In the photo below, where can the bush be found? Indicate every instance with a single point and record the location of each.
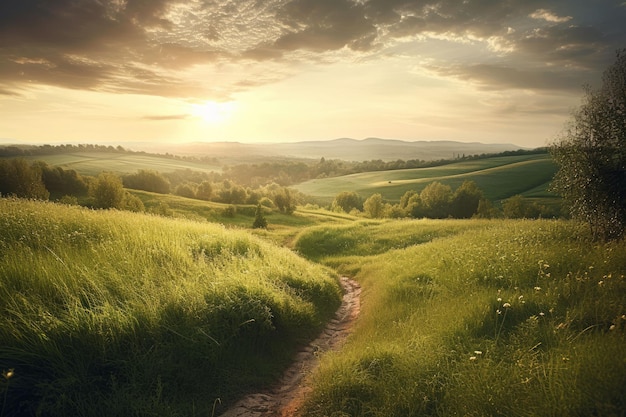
(107, 191)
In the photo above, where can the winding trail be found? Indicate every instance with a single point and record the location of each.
(287, 396)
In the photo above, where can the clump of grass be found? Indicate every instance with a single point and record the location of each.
(115, 313)
(514, 318)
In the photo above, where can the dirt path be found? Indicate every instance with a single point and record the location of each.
(287, 396)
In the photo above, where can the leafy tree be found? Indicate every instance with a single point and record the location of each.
(186, 190)
(347, 200)
(404, 200)
(147, 180)
(486, 210)
(204, 190)
(283, 201)
(132, 203)
(373, 206)
(514, 207)
(394, 211)
(436, 200)
(107, 191)
(465, 200)
(591, 155)
(19, 178)
(414, 206)
(259, 220)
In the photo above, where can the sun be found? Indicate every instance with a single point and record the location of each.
(213, 112)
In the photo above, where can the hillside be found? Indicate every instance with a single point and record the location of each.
(343, 149)
(92, 163)
(143, 315)
(498, 177)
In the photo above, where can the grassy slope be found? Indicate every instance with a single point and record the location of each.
(92, 163)
(498, 177)
(515, 318)
(114, 313)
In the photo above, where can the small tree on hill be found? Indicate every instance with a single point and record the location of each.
(373, 206)
(435, 199)
(259, 220)
(465, 200)
(107, 191)
(347, 200)
(591, 156)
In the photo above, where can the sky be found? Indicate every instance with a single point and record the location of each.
(267, 71)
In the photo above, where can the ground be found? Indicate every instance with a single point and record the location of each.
(285, 399)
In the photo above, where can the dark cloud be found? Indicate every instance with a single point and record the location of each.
(496, 77)
(142, 45)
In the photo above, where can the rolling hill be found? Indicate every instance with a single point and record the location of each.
(498, 177)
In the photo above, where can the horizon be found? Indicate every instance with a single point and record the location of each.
(285, 71)
(125, 144)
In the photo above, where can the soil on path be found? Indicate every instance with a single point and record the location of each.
(285, 399)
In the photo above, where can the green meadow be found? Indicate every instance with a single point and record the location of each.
(475, 318)
(498, 177)
(108, 313)
(181, 311)
(92, 163)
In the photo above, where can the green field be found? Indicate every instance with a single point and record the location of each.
(108, 313)
(498, 177)
(475, 318)
(92, 163)
(178, 314)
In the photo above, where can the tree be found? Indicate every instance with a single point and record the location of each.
(147, 180)
(107, 191)
(591, 156)
(486, 210)
(465, 200)
(204, 191)
(404, 200)
(514, 207)
(283, 200)
(24, 180)
(187, 190)
(347, 200)
(259, 220)
(436, 200)
(373, 206)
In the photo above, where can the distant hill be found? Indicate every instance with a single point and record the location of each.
(499, 177)
(344, 149)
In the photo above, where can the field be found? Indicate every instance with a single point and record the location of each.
(92, 163)
(178, 314)
(475, 318)
(498, 177)
(113, 313)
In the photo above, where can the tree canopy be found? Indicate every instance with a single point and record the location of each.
(591, 155)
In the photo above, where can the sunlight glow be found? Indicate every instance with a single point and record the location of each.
(213, 112)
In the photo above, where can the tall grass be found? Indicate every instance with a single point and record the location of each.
(515, 318)
(114, 313)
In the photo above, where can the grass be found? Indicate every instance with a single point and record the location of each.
(515, 318)
(498, 177)
(115, 313)
(93, 163)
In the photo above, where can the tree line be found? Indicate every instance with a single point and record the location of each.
(282, 172)
(438, 201)
(38, 180)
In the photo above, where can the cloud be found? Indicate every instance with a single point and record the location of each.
(167, 117)
(499, 77)
(548, 16)
(150, 47)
